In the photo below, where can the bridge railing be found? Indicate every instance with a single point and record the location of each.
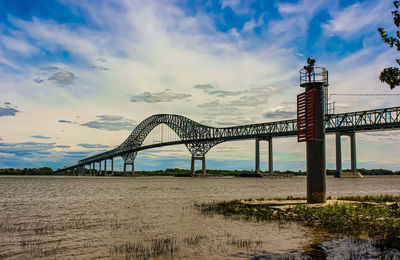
(386, 118)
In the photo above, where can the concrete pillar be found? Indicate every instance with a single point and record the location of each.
(270, 156)
(80, 170)
(203, 165)
(192, 166)
(338, 154)
(353, 152)
(100, 172)
(112, 166)
(90, 168)
(133, 168)
(257, 160)
(316, 171)
(105, 166)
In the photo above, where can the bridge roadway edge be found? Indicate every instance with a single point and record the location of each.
(352, 128)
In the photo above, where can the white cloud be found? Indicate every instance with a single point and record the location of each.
(17, 45)
(304, 7)
(355, 18)
(157, 97)
(63, 77)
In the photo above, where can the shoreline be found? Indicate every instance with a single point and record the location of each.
(372, 217)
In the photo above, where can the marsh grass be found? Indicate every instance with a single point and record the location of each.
(143, 249)
(79, 223)
(360, 219)
(195, 239)
(244, 243)
(277, 198)
(372, 198)
(36, 246)
(36, 238)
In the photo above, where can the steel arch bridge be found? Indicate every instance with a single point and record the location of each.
(199, 138)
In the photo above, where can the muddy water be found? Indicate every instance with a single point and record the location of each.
(145, 217)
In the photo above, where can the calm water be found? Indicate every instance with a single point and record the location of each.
(124, 218)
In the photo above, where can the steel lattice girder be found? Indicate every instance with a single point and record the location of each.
(199, 139)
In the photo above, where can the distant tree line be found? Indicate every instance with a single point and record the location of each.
(181, 172)
(27, 171)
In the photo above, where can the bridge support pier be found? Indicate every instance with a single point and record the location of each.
(112, 166)
(353, 156)
(100, 168)
(257, 167)
(133, 167)
(203, 164)
(105, 166)
(81, 170)
(270, 155)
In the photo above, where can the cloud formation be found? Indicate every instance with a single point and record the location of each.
(210, 89)
(49, 68)
(64, 121)
(224, 93)
(111, 123)
(38, 80)
(63, 146)
(92, 146)
(277, 113)
(40, 137)
(99, 67)
(63, 78)
(25, 148)
(204, 86)
(157, 97)
(8, 111)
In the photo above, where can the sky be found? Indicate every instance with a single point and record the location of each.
(77, 76)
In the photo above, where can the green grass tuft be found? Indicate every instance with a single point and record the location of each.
(359, 219)
(372, 198)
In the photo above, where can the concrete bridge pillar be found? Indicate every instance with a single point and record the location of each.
(100, 168)
(112, 166)
(90, 168)
(353, 156)
(270, 155)
(338, 154)
(133, 167)
(80, 170)
(192, 166)
(105, 166)
(257, 166)
(203, 164)
(353, 152)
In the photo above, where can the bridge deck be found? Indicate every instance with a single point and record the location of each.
(369, 120)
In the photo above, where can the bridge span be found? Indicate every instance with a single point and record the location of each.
(199, 138)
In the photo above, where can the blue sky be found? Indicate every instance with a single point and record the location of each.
(78, 76)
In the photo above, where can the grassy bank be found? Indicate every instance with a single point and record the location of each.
(380, 221)
(370, 198)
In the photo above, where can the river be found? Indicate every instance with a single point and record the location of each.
(153, 217)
